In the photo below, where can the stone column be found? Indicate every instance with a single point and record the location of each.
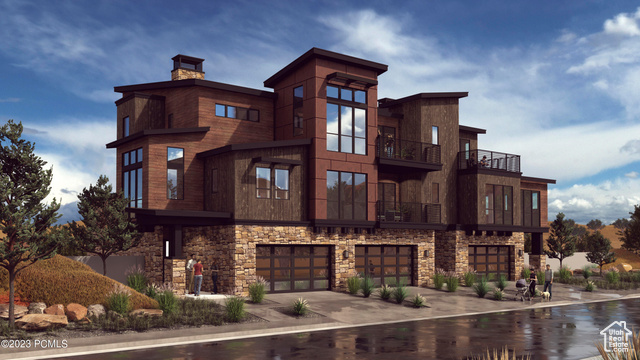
(538, 262)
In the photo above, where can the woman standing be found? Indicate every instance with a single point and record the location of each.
(197, 271)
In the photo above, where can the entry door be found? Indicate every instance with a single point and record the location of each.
(387, 198)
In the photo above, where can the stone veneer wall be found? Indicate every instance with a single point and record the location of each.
(151, 248)
(452, 250)
(538, 261)
(175, 273)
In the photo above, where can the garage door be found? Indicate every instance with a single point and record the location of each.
(490, 260)
(386, 264)
(293, 268)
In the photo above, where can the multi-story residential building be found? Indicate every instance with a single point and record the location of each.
(317, 180)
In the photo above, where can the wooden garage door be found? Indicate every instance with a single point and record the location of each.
(490, 260)
(293, 268)
(386, 264)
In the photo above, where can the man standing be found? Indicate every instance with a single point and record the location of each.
(548, 280)
(190, 264)
(197, 277)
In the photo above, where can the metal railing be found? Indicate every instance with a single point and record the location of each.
(487, 159)
(408, 212)
(408, 150)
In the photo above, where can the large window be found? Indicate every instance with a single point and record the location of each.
(125, 126)
(132, 177)
(346, 195)
(499, 204)
(298, 112)
(346, 120)
(282, 184)
(175, 173)
(236, 112)
(264, 182)
(531, 208)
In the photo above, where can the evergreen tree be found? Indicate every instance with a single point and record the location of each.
(599, 250)
(595, 224)
(107, 228)
(561, 242)
(25, 219)
(621, 224)
(631, 235)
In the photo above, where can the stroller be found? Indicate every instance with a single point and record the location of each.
(523, 290)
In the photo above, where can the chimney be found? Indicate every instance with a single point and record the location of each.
(186, 67)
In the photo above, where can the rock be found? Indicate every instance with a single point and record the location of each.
(147, 312)
(85, 321)
(18, 311)
(76, 312)
(96, 310)
(37, 308)
(41, 321)
(624, 268)
(57, 309)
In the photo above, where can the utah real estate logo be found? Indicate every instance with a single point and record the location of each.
(616, 337)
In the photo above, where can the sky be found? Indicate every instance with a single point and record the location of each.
(557, 82)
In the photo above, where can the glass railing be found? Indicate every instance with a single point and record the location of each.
(408, 212)
(487, 159)
(391, 148)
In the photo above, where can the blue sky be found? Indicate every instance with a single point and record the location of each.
(557, 82)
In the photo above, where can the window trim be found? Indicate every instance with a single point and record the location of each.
(178, 168)
(126, 126)
(353, 136)
(353, 196)
(505, 208)
(298, 103)
(258, 188)
(249, 111)
(435, 135)
(136, 168)
(275, 186)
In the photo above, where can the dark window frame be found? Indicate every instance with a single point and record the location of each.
(316, 266)
(250, 113)
(342, 202)
(435, 135)
(377, 271)
(502, 204)
(173, 165)
(129, 168)
(298, 112)
(353, 135)
(258, 188)
(276, 190)
(126, 126)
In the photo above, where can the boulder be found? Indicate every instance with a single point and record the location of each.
(41, 321)
(96, 310)
(37, 308)
(76, 312)
(147, 312)
(57, 309)
(18, 311)
(624, 268)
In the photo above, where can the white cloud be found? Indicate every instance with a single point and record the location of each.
(10, 100)
(623, 24)
(632, 175)
(566, 36)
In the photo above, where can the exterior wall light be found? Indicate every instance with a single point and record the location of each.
(426, 253)
(345, 254)
(520, 252)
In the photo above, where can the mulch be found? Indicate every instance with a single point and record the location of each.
(4, 299)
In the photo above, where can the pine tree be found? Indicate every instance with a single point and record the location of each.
(599, 250)
(107, 228)
(631, 235)
(561, 242)
(25, 219)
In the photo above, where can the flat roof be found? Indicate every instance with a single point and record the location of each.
(325, 54)
(194, 82)
(251, 146)
(538, 180)
(391, 102)
(472, 129)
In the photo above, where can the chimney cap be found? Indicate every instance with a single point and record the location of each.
(187, 62)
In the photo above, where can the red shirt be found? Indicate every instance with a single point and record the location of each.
(197, 269)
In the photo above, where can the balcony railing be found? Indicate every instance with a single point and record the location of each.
(404, 212)
(408, 150)
(486, 159)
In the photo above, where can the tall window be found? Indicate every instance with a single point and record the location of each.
(346, 195)
(236, 112)
(298, 113)
(530, 208)
(282, 184)
(132, 177)
(263, 183)
(175, 173)
(499, 204)
(346, 120)
(125, 126)
(434, 135)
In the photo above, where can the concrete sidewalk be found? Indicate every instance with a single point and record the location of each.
(334, 310)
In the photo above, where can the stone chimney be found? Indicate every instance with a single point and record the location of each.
(186, 67)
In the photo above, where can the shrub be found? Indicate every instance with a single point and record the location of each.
(168, 302)
(635, 277)
(367, 286)
(633, 353)
(418, 301)
(565, 274)
(438, 279)
(136, 278)
(526, 273)
(590, 286)
(234, 308)
(60, 280)
(612, 276)
(586, 271)
(400, 293)
(502, 354)
(452, 283)
(118, 300)
(151, 291)
(300, 307)
(501, 283)
(482, 286)
(469, 278)
(385, 292)
(541, 277)
(498, 293)
(353, 284)
(257, 291)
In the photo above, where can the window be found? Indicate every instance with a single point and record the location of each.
(531, 208)
(282, 184)
(235, 112)
(298, 113)
(434, 135)
(125, 126)
(170, 121)
(435, 193)
(346, 120)
(214, 180)
(499, 204)
(263, 183)
(132, 177)
(346, 195)
(175, 173)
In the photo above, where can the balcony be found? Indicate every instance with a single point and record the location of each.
(404, 155)
(488, 161)
(406, 212)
